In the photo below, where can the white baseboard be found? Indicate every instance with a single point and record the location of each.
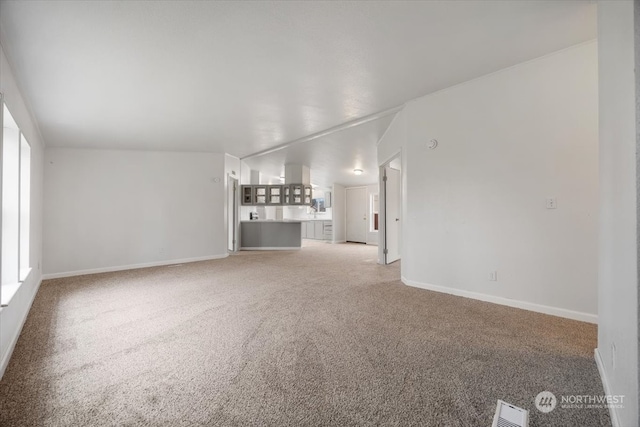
(14, 340)
(554, 311)
(613, 412)
(130, 267)
(269, 248)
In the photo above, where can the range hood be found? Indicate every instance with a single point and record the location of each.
(297, 174)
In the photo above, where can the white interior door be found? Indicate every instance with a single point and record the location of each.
(393, 223)
(232, 214)
(357, 214)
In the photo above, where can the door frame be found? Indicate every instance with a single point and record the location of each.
(382, 223)
(232, 214)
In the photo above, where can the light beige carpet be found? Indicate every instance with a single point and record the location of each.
(321, 336)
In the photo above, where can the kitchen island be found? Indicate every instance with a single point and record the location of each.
(268, 235)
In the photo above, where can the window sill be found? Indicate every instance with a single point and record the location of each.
(8, 292)
(24, 273)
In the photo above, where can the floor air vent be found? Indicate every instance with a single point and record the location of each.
(510, 416)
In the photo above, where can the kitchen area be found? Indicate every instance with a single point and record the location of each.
(280, 216)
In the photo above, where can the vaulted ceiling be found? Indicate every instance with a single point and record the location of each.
(243, 77)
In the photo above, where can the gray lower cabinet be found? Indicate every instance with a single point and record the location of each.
(270, 235)
(327, 230)
(318, 230)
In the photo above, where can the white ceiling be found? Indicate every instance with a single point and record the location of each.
(332, 158)
(242, 77)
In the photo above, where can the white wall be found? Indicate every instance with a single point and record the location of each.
(109, 209)
(12, 317)
(245, 173)
(339, 213)
(232, 167)
(618, 279)
(476, 203)
(393, 139)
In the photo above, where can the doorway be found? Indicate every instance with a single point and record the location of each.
(232, 214)
(391, 174)
(357, 214)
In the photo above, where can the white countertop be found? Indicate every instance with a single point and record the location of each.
(294, 221)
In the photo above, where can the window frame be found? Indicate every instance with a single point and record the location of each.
(9, 286)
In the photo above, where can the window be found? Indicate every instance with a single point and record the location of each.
(16, 183)
(374, 208)
(25, 206)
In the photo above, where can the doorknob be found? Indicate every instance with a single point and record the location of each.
(397, 219)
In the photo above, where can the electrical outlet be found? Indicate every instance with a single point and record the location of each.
(552, 203)
(493, 276)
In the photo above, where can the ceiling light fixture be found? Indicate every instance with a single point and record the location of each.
(357, 171)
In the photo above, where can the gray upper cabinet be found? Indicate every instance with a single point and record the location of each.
(307, 195)
(297, 194)
(286, 191)
(247, 195)
(259, 194)
(276, 195)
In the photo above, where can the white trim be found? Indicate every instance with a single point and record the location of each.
(382, 203)
(130, 267)
(14, 340)
(332, 130)
(524, 305)
(613, 413)
(271, 248)
(392, 157)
